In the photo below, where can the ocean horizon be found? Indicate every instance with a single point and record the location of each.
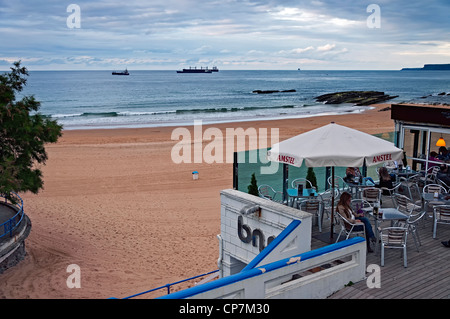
(98, 99)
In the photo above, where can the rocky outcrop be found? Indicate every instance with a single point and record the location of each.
(355, 97)
(433, 67)
(272, 91)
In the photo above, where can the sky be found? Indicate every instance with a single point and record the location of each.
(229, 34)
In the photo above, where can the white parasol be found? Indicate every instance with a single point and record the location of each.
(334, 145)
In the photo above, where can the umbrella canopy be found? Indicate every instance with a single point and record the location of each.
(334, 145)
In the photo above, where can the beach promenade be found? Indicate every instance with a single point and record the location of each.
(115, 204)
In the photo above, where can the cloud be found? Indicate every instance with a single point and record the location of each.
(275, 33)
(326, 47)
(296, 51)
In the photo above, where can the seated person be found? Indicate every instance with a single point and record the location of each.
(345, 210)
(351, 173)
(444, 154)
(385, 180)
(433, 157)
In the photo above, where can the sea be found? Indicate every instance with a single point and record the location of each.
(98, 99)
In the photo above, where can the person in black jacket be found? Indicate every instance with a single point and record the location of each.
(385, 180)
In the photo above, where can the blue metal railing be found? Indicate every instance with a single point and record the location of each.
(11, 224)
(170, 284)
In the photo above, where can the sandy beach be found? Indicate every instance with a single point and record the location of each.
(115, 204)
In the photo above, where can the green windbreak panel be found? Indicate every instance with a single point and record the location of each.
(255, 161)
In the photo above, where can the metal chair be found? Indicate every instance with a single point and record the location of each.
(441, 216)
(372, 195)
(306, 183)
(406, 205)
(431, 175)
(301, 181)
(433, 188)
(391, 192)
(313, 206)
(414, 213)
(267, 192)
(411, 183)
(339, 183)
(390, 164)
(348, 228)
(414, 218)
(394, 237)
(326, 198)
(442, 183)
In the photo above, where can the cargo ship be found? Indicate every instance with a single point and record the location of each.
(201, 70)
(121, 73)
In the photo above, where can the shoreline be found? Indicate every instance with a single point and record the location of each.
(360, 109)
(287, 125)
(115, 204)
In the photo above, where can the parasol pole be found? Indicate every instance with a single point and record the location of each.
(332, 205)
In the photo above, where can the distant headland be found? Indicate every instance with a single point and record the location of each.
(430, 67)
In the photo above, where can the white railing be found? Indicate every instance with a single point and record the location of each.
(314, 274)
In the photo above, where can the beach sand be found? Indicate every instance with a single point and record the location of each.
(116, 205)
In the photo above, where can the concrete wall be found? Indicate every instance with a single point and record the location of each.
(333, 267)
(250, 223)
(12, 249)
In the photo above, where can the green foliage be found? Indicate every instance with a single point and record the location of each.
(311, 176)
(253, 187)
(23, 133)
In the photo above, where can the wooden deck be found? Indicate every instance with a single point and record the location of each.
(427, 275)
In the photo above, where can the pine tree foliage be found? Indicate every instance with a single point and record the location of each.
(23, 134)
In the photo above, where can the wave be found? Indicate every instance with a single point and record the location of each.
(179, 111)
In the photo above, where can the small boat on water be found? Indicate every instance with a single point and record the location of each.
(121, 73)
(201, 70)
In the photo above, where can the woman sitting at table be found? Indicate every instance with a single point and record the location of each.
(345, 210)
(385, 180)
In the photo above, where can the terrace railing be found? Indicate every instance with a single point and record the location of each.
(15, 201)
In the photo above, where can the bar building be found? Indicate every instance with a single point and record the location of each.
(420, 130)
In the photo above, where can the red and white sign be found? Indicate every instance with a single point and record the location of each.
(286, 159)
(382, 158)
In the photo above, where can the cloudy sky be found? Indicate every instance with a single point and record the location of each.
(231, 34)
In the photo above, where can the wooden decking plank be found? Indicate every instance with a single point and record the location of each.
(427, 275)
